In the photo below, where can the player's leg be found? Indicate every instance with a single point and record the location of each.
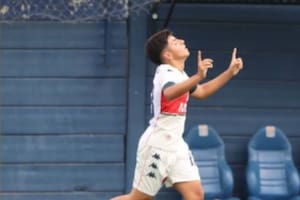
(122, 197)
(147, 179)
(185, 177)
(133, 195)
(191, 190)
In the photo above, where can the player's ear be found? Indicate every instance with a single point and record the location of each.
(166, 55)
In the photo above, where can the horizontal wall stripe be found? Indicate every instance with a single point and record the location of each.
(224, 37)
(63, 63)
(255, 94)
(60, 196)
(63, 120)
(251, 13)
(62, 149)
(244, 122)
(62, 178)
(249, 94)
(281, 66)
(51, 35)
(71, 92)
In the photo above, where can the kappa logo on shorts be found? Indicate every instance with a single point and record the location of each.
(156, 156)
(151, 175)
(153, 165)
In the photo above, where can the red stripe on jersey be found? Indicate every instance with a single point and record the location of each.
(176, 106)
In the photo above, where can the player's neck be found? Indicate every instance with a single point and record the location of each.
(178, 64)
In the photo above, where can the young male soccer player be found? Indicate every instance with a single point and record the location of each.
(163, 157)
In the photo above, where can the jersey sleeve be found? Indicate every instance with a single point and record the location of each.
(193, 89)
(167, 77)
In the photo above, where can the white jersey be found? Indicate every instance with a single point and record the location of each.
(166, 128)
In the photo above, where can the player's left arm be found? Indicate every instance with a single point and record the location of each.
(204, 90)
(173, 91)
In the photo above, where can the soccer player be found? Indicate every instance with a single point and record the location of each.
(163, 157)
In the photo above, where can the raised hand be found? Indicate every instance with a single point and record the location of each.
(203, 65)
(236, 64)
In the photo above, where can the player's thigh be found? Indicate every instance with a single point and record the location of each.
(133, 195)
(137, 195)
(190, 189)
(121, 197)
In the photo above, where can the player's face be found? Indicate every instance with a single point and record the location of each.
(177, 47)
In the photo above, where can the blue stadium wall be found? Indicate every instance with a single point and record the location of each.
(75, 97)
(63, 110)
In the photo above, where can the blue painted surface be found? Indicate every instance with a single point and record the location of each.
(63, 110)
(63, 63)
(62, 149)
(49, 35)
(72, 109)
(136, 93)
(61, 196)
(62, 177)
(79, 92)
(265, 92)
(63, 120)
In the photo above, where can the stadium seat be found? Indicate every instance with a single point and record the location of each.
(208, 150)
(271, 173)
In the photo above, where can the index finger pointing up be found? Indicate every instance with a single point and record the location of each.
(199, 56)
(234, 53)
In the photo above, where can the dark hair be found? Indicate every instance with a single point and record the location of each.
(155, 44)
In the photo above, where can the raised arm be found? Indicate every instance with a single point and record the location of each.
(206, 89)
(176, 90)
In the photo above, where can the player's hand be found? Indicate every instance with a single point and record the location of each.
(236, 64)
(203, 65)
